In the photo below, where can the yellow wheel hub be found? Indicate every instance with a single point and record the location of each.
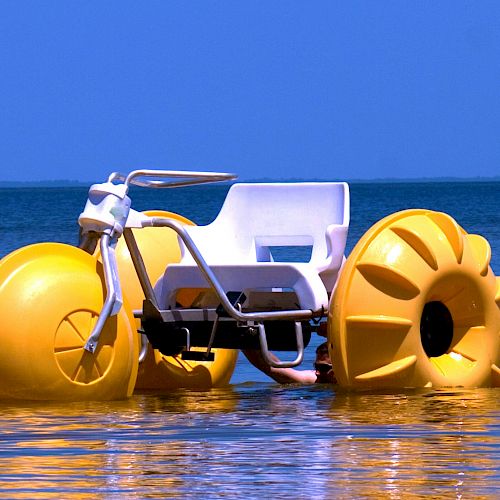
(74, 361)
(415, 307)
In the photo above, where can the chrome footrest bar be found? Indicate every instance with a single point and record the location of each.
(282, 364)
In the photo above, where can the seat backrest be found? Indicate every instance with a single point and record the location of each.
(257, 217)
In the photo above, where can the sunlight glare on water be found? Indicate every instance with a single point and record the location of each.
(255, 439)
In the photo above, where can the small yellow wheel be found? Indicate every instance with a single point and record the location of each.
(50, 298)
(416, 305)
(159, 372)
(159, 247)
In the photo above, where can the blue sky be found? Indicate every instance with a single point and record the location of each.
(311, 89)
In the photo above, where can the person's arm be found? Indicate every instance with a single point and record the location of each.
(281, 375)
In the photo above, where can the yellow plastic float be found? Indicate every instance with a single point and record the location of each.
(50, 297)
(495, 374)
(159, 247)
(416, 305)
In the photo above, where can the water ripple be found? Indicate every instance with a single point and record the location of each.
(253, 439)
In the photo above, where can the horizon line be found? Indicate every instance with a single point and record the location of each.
(77, 183)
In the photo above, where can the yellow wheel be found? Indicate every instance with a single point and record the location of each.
(171, 372)
(495, 381)
(416, 306)
(159, 247)
(50, 297)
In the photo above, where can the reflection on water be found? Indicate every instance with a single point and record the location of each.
(255, 439)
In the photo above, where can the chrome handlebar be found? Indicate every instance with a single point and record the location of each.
(179, 178)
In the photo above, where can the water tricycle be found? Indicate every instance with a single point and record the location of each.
(149, 300)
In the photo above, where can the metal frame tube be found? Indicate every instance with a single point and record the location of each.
(282, 364)
(300, 314)
(111, 294)
(140, 267)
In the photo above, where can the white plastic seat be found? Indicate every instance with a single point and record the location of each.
(254, 218)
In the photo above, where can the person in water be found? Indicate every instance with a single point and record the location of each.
(322, 373)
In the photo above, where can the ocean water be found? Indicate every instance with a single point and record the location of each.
(254, 438)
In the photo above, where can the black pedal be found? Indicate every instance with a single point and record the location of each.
(234, 298)
(197, 356)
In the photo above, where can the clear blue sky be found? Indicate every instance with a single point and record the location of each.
(316, 89)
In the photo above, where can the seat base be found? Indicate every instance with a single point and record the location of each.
(299, 277)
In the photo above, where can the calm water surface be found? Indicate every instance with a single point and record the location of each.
(254, 439)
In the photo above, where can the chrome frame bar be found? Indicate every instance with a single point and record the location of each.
(144, 347)
(113, 292)
(299, 314)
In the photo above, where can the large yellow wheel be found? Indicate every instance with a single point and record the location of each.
(416, 306)
(495, 381)
(159, 247)
(50, 297)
